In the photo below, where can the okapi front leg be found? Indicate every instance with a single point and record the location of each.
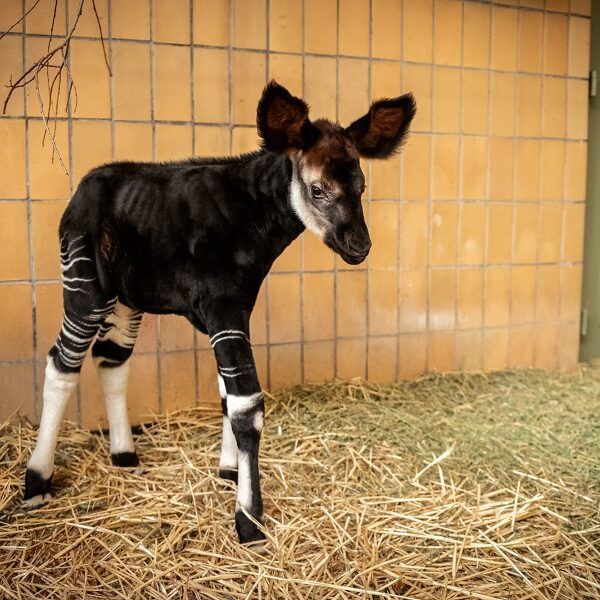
(246, 415)
(228, 462)
(245, 412)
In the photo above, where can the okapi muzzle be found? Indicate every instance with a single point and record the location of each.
(349, 236)
(197, 238)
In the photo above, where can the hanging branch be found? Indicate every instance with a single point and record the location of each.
(101, 37)
(55, 83)
(21, 19)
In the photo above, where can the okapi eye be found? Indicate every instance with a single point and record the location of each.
(317, 192)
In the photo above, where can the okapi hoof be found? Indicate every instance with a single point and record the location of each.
(125, 459)
(37, 489)
(247, 530)
(230, 474)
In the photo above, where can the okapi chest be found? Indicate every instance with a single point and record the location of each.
(197, 238)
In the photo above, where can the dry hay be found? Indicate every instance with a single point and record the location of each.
(463, 486)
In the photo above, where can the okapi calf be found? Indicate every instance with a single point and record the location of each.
(197, 238)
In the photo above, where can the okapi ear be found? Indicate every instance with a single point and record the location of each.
(282, 120)
(381, 132)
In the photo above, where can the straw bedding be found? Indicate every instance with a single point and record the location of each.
(458, 486)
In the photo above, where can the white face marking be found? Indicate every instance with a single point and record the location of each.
(58, 388)
(114, 385)
(300, 207)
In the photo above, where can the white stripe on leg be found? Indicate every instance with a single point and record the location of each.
(241, 408)
(244, 493)
(222, 388)
(121, 326)
(58, 388)
(229, 451)
(114, 385)
(242, 404)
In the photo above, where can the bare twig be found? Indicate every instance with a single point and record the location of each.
(45, 120)
(53, 23)
(51, 86)
(54, 84)
(101, 37)
(21, 19)
(44, 61)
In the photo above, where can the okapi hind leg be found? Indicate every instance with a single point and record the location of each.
(85, 307)
(111, 353)
(58, 388)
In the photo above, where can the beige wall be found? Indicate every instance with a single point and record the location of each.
(477, 227)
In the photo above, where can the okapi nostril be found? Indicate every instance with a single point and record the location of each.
(360, 250)
(357, 244)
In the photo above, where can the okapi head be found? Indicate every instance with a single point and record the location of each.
(327, 182)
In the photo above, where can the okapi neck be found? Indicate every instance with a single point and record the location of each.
(268, 178)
